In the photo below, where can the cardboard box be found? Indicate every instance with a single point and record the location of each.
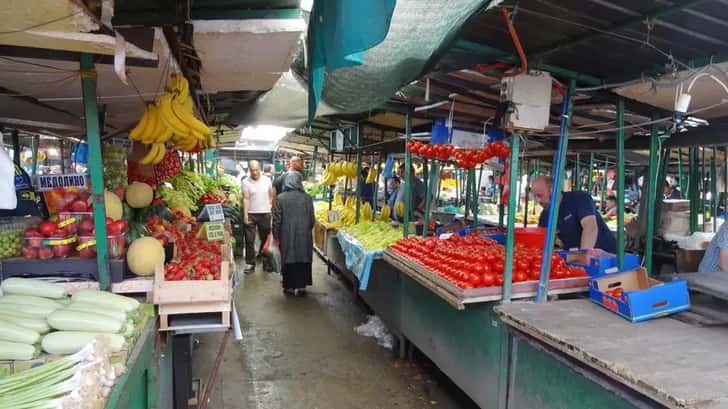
(643, 298)
(598, 266)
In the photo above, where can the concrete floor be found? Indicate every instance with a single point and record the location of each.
(303, 353)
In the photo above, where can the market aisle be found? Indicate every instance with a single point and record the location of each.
(303, 353)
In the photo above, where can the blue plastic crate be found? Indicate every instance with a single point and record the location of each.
(643, 298)
(499, 237)
(597, 266)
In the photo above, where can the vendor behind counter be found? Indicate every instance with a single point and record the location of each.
(579, 223)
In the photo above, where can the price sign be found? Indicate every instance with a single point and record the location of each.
(215, 231)
(213, 212)
(468, 140)
(334, 216)
(49, 182)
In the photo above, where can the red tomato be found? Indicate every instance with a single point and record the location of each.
(489, 279)
(499, 280)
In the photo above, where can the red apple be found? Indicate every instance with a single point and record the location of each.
(71, 228)
(88, 252)
(44, 253)
(69, 197)
(86, 226)
(30, 252)
(61, 250)
(47, 228)
(79, 206)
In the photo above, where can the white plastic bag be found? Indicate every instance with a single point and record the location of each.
(8, 199)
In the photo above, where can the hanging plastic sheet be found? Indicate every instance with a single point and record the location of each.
(339, 32)
(388, 167)
(358, 260)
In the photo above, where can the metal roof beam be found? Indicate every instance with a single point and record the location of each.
(630, 22)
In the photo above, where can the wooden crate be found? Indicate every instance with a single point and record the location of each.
(193, 297)
(319, 237)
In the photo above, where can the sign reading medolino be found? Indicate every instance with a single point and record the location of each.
(50, 182)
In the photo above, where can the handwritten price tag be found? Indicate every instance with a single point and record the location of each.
(215, 231)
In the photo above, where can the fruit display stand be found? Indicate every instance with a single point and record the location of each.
(358, 260)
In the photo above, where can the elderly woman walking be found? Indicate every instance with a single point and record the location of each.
(293, 220)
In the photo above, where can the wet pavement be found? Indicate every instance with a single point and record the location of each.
(303, 353)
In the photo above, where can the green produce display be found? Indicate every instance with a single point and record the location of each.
(374, 235)
(115, 175)
(11, 243)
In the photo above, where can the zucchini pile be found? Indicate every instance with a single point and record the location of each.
(36, 315)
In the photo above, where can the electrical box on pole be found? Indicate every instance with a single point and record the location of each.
(526, 102)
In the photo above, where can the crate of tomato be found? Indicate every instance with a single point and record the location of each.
(196, 281)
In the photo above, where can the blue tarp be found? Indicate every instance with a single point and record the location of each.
(358, 260)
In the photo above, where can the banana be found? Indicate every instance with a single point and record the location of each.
(188, 118)
(154, 127)
(371, 176)
(161, 151)
(138, 130)
(180, 84)
(169, 117)
(399, 207)
(151, 155)
(165, 134)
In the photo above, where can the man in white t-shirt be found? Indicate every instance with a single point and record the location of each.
(258, 199)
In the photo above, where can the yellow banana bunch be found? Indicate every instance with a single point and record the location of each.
(365, 212)
(350, 202)
(328, 178)
(385, 214)
(372, 176)
(399, 208)
(338, 201)
(155, 154)
(176, 113)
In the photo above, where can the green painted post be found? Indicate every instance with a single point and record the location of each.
(577, 173)
(620, 182)
(431, 181)
(590, 181)
(665, 157)
(358, 175)
(558, 186)
(714, 190)
(407, 175)
(34, 157)
(95, 165)
(527, 192)
(537, 168)
(603, 197)
(693, 188)
(332, 143)
(512, 202)
(468, 192)
(501, 208)
(313, 162)
(471, 175)
(653, 189)
(680, 181)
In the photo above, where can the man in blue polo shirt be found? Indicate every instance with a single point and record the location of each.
(579, 224)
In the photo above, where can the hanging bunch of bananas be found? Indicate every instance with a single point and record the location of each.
(365, 212)
(385, 214)
(372, 175)
(328, 178)
(171, 118)
(399, 208)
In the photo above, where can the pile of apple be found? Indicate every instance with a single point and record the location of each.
(71, 200)
(116, 238)
(48, 240)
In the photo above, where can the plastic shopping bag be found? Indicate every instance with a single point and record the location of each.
(8, 198)
(273, 251)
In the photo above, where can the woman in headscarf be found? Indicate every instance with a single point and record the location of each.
(293, 220)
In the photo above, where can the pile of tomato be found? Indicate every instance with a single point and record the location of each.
(208, 198)
(466, 158)
(197, 259)
(476, 262)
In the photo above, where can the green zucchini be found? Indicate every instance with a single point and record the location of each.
(86, 307)
(70, 342)
(38, 325)
(15, 351)
(29, 300)
(104, 298)
(70, 320)
(25, 310)
(29, 286)
(15, 333)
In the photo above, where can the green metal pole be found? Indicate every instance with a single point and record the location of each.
(471, 175)
(680, 181)
(714, 190)
(512, 202)
(359, 183)
(407, 175)
(590, 181)
(527, 192)
(95, 166)
(577, 173)
(331, 160)
(428, 198)
(653, 189)
(558, 185)
(34, 158)
(620, 182)
(693, 189)
(664, 162)
(312, 171)
(63, 156)
(375, 199)
(468, 192)
(603, 197)
(537, 168)
(501, 208)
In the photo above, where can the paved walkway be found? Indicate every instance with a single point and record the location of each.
(303, 353)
